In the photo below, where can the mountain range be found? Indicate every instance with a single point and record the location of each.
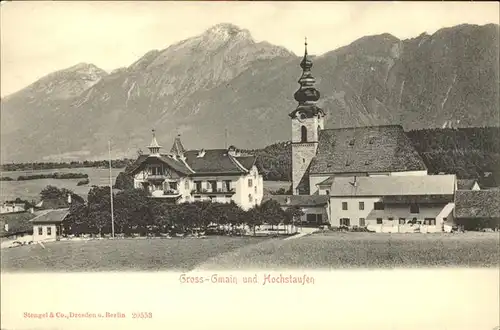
(223, 88)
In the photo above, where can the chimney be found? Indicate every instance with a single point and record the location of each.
(69, 198)
(288, 200)
(201, 153)
(6, 227)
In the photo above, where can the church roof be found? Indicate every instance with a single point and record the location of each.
(365, 149)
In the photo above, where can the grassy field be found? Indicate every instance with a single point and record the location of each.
(123, 254)
(366, 250)
(317, 251)
(30, 189)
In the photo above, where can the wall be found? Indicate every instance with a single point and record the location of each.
(323, 210)
(438, 212)
(44, 236)
(244, 190)
(353, 212)
(303, 153)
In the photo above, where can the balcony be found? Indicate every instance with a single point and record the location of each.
(156, 177)
(219, 191)
(170, 193)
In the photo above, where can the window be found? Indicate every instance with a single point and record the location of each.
(344, 206)
(49, 231)
(250, 198)
(328, 192)
(345, 222)
(173, 185)
(156, 170)
(311, 218)
(250, 182)
(303, 134)
(361, 222)
(303, 160)
(255, 189)
(379, 221)
(319, 218)
(430, 221)
(213, 185)
(186, 185)
(198, 185)
(391, 219)
(40, 230)
(402, 221)
(361, 205)
(378, 206)
(414, 208)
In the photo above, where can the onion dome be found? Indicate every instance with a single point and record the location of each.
(307, 94)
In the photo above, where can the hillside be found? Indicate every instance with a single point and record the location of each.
(224, 80)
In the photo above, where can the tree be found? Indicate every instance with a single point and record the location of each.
(293, 213)
(124, 181)
(271, 212)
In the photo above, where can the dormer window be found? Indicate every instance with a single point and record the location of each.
(372, 140)
(347, 163)
(351, 142)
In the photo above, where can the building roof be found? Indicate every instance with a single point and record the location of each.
(365, 149)
(216, 161)
(210, 161)
(17, 223)
(51, 216)
(465, 184)
(298, 200)
(393, 185)
(177, 147)
(477, 204)
(420, 199)
(327, 183)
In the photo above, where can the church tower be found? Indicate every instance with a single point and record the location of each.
(307, 121)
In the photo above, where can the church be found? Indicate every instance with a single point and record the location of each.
(216, 175)
(361, 176)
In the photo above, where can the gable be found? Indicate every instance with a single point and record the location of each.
(365, 149)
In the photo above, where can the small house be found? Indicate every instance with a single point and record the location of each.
(47, 226)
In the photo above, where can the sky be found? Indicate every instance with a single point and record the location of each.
(38, 38)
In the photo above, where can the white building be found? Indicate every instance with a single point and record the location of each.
(393, 203)
(217, 175)
(12, 208)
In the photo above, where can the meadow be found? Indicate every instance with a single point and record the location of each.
(30, 190)
(176, 254)
(317, 251)
(334, 250)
